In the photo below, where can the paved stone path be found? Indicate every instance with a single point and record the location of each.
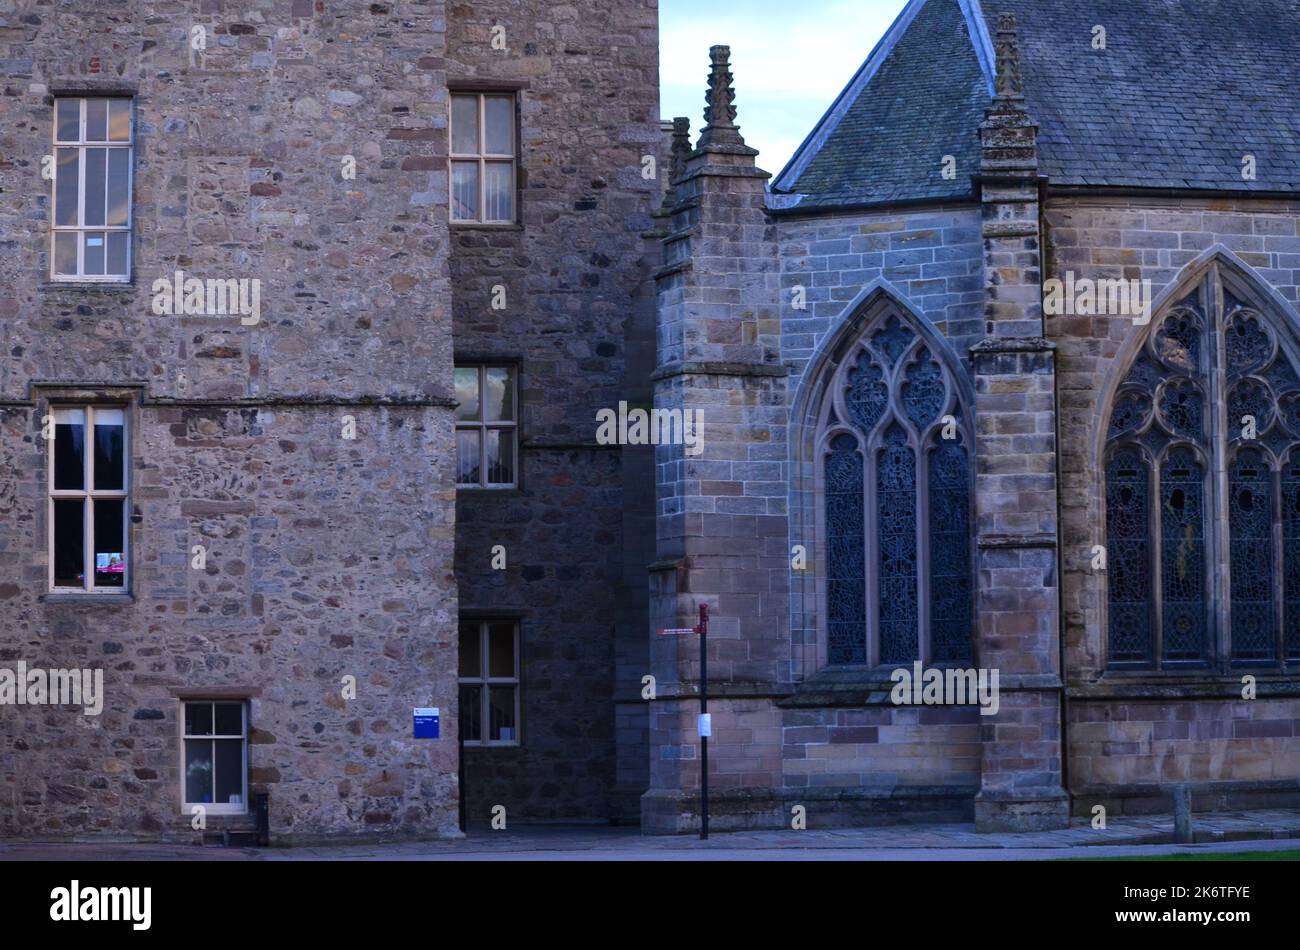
(1145, 836)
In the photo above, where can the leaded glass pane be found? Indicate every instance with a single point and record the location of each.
(924, 392)
(1249, 401)
(950, 574)
(1182, 533)
(891, 340)
(1291, 555)
(1281, 376)
(1129, 556)
(866, 396)
(1183, 408)
(1178, 341)
(896, 529)
(1132, 409)
(846, 619)
(1250, 518)
(1246, 343)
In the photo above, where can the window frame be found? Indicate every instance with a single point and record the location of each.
(214, 808)
(482, 426)
(485, 681)
(80, 229)
(483, 158)
(834, 421)
(88, 495)
(1217, 456)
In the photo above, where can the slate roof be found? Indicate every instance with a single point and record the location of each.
(1183, 90)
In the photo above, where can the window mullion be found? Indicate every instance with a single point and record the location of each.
(924, 647)
(1155, 531)
(88, 508)
(1217, 386)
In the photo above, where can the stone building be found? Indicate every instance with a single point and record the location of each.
(308, 311)
(271, 520)
(998, 374)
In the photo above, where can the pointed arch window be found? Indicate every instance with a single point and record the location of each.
(1202, 488)
(896, 481)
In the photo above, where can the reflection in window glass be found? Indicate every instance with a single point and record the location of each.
(110, 554)
(489, 705)
(467, 456)
(487, 431)
(499, 394)
(96, 120)
(119, 120)
(464, 125)
(67, 178)
(500, 457)
(216, 754)
(198, 771)
(484, 148)
(498, 191)
(499, 137)
(88, 498)
(92, 189)
(67, 118)
(96, 186)
(464, 191)
(467, 392)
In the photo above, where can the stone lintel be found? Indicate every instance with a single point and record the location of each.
(1008, 541)
(1010, 229)
(703, 368)
(995, 346)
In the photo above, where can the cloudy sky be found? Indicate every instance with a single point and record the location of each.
(789, 60)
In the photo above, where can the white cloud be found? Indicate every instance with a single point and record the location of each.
(790, 61)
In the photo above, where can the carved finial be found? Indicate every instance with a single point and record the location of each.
(1007, 83)
(681, 145)
(678, 153)
(720, 110)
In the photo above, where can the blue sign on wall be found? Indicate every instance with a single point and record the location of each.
(426, 723)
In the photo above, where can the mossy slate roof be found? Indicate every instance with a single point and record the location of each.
(1182, 92)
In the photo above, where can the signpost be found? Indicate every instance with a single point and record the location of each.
(704, 725)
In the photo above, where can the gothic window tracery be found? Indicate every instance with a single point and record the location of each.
(896, 502)
(1203, 503)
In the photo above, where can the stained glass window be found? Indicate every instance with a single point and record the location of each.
(845, 571)
(1291, 555)
(950, 579)
(1182, 526)
(1129, 532)
(896, 521)
(897, 497)
(1170, 470)
(1250, 514)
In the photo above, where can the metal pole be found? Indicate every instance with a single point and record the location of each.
(704, 708)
